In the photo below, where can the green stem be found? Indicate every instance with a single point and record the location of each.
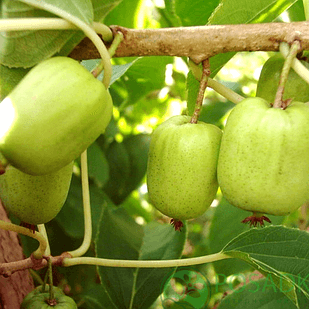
(278, 103)
(42, 230)
(218, 87)
(38, 254)
(87, 209)
(117, 40)
(87, 29)
(22, 24)
(201, 92)
(144, 264)
(50, 276)
(297, 66)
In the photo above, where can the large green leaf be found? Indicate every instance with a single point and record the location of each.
(261, 294)
(195, 13)
(98, 168)
(128, 164)
(82, 9)
(71, 216)
(243, 12)
(9, 78)
(125, 14)
(226, 225)
(27, 48)
(146, 75)
(120, 237)
(279, 252)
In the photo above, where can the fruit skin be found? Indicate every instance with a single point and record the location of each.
(263, 162)
(35, 199)
(181, 171)
(36, 299)
(55, 112)
(296, 88)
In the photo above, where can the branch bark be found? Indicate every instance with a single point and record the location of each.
(14, 288)
(202, 42)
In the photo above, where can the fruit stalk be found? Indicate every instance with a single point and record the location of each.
(38, 254)
(145, 264)
(298, 67)
(202, 88)
(216, 86)
(87, 209)
(117, 40)
(278, 103)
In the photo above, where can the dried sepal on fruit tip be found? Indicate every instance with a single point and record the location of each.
(31, 227)
(256, 219)
(178, 225)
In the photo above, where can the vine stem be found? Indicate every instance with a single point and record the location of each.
(42, 230)
(22, 24)
(298, 67)
(117, 40)
(87, 29)
(278, 103)
(216, 86)
(201, 92)
(87, 209)
(144, 264)
(38, 254)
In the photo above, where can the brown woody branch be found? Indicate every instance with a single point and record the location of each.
(202, 42)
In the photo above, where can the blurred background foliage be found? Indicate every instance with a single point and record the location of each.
(149, 92)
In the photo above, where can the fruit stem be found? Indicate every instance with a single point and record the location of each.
(201, 92)
(144, 264)
(117, 40)
(295, 48)
(42, 230)
(50, 277)
(87, 209)
(216, 86)
(38, 254)
(22, 24)
(298, 67)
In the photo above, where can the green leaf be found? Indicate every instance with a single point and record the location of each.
(277, 251)
(128, 164)
(82, 9)
(102, 8)
(96, 297)
(71, 216)
(226, 224)
(170, 13)
(194, 13)
(118, 70)
(120, 237)
(146, 75)
(260, 294)
(97, 165)
(243, 12)
(27, 48)
(296, 11)
(9, 78)
(124, 14)
(119, 167)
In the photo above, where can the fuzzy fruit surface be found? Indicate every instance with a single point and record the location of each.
(296, 88)
(56, 111)
(37, 299)
(263, 163)
(35, 199)
(181, 171)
